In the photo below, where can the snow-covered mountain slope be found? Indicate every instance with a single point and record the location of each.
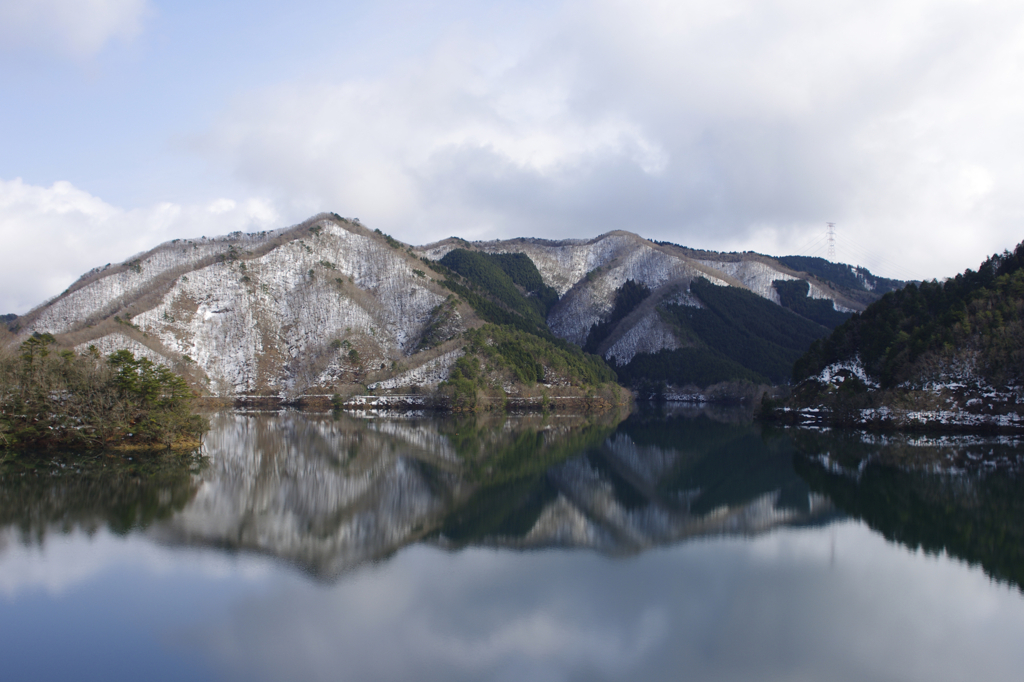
(329, 303)
(110, 288)
(324, 303)
(587, 273)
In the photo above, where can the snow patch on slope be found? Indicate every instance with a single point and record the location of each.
(589, 302)
(817, 292)
(837, 372)
(649, 335)
(753, 274)
(684, 297)
(430, 373)
(111, 343)
(563, 264)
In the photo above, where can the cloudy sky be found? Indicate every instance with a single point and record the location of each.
(722, 124)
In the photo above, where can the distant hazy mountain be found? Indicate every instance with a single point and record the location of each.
(330, 304)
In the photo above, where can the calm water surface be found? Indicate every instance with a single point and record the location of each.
(681, 545)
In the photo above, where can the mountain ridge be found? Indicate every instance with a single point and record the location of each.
(330, 305)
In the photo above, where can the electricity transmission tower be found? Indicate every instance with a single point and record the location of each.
(831, 241)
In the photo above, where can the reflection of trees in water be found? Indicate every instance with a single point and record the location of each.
(924, 496)
(659, 478)
(122, 491)
(328, 493)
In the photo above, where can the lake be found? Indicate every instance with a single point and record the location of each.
(672, 543)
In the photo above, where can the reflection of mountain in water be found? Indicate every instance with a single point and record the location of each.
(329, 493)
(962, 496)
(655, 480)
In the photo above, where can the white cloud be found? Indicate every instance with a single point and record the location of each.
(54, 234)
(404, 148)
(78, 28)
(738, 124)
(735, 124)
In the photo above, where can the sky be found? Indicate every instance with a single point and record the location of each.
(721, 124)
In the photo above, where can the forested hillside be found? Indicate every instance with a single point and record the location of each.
(502, 288)
(736, 335)
(731, 335)
(969, 326)
(627, 298)
(793, 294)
(942, 355)
(507, 291)
(843, 275)
(52, 398)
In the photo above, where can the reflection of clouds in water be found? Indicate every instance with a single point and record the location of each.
(755, 601)
(538, 637)
(432, 615)
(775, 607)
(67, 561)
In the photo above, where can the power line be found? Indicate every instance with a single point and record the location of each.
(869, 256)
(802, 250)
(827, 242)
(878, 260)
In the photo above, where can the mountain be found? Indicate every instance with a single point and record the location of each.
(938, 354)
(857, 281)
(662, 314)
(330, 306)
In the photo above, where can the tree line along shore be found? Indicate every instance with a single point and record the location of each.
(53, 398)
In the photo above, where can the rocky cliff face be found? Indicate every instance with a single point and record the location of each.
(329, 303)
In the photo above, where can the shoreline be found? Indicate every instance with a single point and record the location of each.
(887, 419)
(418, 402)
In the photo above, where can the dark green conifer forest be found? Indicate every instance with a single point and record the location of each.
(908, 333)
(56, 399)
(737, 336)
